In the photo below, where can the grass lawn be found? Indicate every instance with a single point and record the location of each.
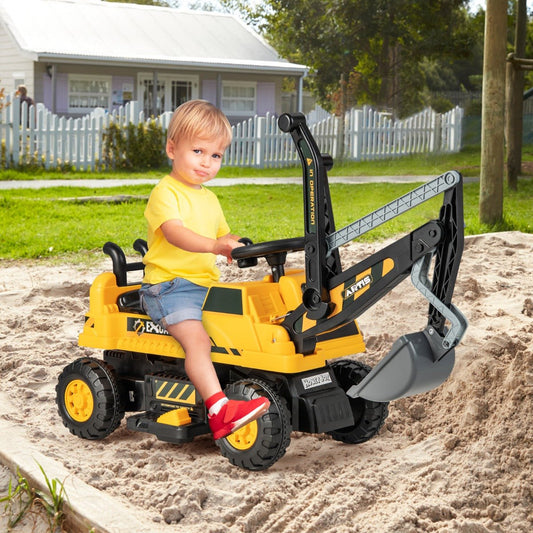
(62, 223)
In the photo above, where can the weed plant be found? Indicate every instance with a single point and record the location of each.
(22, 499)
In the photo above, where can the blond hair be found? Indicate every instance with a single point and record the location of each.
(199, 118)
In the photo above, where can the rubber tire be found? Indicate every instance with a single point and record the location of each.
(108, 409)
(273, 431)
(369, 416)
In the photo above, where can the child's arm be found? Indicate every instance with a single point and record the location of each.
(178, 235)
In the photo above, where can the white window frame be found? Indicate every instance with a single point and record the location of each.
(19, 78)
(167, 79)
(227, 100)
(86, 77)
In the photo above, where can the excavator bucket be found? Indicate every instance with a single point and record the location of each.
(417, 362)
(410, 367)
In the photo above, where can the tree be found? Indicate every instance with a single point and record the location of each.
(492, 115)
(375, 46)
(514, 91)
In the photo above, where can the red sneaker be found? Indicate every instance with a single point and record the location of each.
(235, 414)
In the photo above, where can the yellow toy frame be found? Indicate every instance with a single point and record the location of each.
(279, 337)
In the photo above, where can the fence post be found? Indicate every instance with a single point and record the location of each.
(47, 136)
(357, 125)
(135, 113)
(77, 136)
(259, 127)
(437, 143)
(15, 125)
(456, 125)
(5, 117)
(54, 142)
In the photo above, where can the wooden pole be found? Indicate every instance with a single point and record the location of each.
(515, 106)
(493, 113)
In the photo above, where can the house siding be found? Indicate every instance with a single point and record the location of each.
(209, 90)
(267, 100)
(266, 97)
(267, 86)
(13, 61)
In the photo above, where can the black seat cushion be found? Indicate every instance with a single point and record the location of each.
(130, 302)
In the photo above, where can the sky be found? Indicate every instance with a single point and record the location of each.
(474, 4)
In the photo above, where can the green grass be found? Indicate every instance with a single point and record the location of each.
(55, 224)
(22, 498)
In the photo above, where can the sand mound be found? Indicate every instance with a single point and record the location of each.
(456, 459)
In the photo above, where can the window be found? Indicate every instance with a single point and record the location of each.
(85, 93)
(181, 92)
(238, 98)
(171, 92)
(18, 79)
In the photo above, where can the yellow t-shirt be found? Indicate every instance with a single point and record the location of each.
(199, 210)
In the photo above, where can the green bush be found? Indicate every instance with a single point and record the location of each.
(3, 154)
(134, 147)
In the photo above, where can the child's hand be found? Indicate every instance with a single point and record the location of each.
(225, 244)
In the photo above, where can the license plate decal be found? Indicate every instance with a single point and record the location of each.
(310, 382)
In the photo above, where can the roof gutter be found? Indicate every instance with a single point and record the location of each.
(215, 65)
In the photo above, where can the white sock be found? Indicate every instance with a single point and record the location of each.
(217, 406)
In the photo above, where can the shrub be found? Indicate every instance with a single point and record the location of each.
(134, 147)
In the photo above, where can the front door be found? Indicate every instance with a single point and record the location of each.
(165, 92)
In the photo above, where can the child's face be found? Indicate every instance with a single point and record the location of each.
(195, 161)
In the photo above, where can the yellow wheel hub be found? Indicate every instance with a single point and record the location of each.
(244, 438)
(79, 401)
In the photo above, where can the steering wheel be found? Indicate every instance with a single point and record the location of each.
(264, 249)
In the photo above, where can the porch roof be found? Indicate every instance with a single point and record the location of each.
(93, 31)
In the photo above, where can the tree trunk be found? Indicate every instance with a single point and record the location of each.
(515, 106)
(493, 113)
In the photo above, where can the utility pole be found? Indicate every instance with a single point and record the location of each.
(515, 89)
(493, 113)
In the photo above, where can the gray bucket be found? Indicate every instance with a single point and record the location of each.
(412, 366)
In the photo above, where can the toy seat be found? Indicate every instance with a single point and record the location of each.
(130, 302)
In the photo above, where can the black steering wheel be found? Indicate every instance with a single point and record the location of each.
(275, 253)
(264, 249)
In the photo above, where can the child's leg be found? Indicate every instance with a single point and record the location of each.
(225, 416)
(198, 364)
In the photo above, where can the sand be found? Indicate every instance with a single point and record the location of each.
(456, 459)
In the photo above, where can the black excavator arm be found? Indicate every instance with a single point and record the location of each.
(417, 361)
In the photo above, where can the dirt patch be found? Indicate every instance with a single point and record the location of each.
(456, 459)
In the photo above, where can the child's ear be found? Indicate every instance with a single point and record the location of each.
(170, 149)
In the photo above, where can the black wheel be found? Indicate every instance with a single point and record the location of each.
(259, 444)
(368, 416)
(88, 398)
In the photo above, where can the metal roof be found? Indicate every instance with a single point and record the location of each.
(97, 31)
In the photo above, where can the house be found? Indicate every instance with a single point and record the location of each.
(78, 55)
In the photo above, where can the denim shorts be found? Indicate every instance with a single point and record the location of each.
(172, 302)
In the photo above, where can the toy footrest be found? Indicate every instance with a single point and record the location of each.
(147, 423)
(130, 302)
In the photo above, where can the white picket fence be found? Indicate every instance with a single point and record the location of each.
(35, 136)
(367, 134)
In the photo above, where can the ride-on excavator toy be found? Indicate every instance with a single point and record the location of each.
(278, 337)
